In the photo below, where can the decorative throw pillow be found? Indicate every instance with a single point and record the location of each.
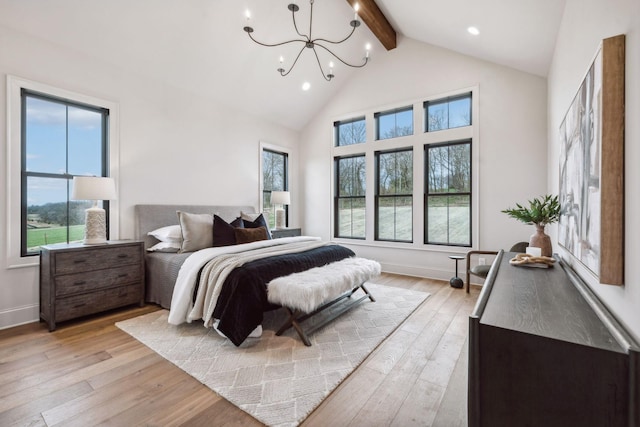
(197, 231)
(248, 235)
(257, 221)
(170, 233)
(223, 232)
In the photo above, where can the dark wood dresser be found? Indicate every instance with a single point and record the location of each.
(77, 280)
(543, 351)
(286, 232)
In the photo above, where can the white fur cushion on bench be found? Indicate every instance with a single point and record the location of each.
(307, 290)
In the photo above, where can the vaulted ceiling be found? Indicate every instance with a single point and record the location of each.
(199, 45)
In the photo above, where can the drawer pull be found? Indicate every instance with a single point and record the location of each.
(123, 275)
(123, 256)
(79, 261)
(79, 283)
(79, 305)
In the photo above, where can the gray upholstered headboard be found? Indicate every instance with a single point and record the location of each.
(151, 217)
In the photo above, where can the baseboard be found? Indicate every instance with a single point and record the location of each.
(19, 316)
(409, 270)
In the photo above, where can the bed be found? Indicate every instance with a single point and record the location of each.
(161, 268)
(225, 286)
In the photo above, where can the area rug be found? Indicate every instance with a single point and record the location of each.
(277, 379)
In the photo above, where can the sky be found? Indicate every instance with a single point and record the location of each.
(53, 129)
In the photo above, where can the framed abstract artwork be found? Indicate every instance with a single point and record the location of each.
(591, 226)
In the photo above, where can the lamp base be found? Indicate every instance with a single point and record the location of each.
(280, 221)
(95, 226)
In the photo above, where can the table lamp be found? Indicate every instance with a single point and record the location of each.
(94, 188)
(280, 198)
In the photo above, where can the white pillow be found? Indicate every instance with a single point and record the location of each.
(165, 247)
(251, 216)
(170, 233)
(197, 231)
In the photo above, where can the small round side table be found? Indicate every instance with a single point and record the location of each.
(456, 282)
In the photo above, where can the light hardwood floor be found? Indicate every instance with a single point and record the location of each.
(89, 373)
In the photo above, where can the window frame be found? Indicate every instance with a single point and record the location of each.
(263, 192)
(336, 130)
(378, 196)
(447, 100)
(427, 194)
(337, 197)
(15, 84)
(393, 111)
(26, 174)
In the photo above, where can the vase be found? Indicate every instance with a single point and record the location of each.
(541, 240)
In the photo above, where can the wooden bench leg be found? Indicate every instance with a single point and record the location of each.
(295, 317)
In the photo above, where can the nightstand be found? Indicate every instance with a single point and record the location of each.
(286, 232)
(77, 280)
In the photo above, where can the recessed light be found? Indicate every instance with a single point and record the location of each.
(306, 86)
(473, 30)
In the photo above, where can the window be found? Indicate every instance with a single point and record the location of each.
(348, 132)
(448, 193)
(419, 185)
(60, 139)
(394, 200)
(275, 176)
(394, 123)
(349, 204)
(448, 113)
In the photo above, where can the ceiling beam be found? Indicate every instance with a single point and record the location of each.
(371, 14)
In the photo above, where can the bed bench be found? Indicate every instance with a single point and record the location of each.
(309, 292)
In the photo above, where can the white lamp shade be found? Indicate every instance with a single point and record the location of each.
(280, 198)
(93, 188)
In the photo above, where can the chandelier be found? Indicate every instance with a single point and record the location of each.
(308, 42)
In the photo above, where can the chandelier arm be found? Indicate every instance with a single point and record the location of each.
(282, 73)
(319, 64)
(310, 19)
(353, 29)
(293, 17)
(275, 44)
(340, 59)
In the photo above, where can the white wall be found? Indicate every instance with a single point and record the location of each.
(175, 147)
(585, 23)
(512, 145)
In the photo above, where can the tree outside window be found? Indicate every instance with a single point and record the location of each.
(394, 195)
(448, 113)
(394, 123)
(350, 200)
(349, 132)
(448, 194)
(275, 166)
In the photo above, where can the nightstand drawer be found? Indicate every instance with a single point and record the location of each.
(94, 259)
(95, 302)
(286, 232)
(90, 281)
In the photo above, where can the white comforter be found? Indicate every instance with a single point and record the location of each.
(182, 307)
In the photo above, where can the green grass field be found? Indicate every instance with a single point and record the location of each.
(37, 237)
(457, 223)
